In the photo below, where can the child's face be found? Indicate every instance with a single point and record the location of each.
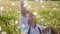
(31, 18)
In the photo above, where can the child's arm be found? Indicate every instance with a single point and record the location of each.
(23, 9)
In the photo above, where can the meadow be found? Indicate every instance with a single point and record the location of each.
(47, 13)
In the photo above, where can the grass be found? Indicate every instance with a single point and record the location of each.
(11, 13)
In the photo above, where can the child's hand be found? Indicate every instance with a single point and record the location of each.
(46, 29)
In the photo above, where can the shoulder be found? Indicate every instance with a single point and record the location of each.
(21, 16)
(40, 26)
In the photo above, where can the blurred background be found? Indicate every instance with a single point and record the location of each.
(47, 12)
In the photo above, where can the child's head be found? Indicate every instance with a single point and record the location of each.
(31, 19)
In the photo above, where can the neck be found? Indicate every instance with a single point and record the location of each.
(33, 25)
(24, 15)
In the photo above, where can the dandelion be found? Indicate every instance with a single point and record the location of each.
(1, 8)
(54, 8)
(25, 3)
(41, 1)
(36, 0)
(43, 20)
(13, 4)
(42, 6)
(55, 4)
(0, 28)
(29, 6)
(16, 22)
(3, 32)
(35, 13)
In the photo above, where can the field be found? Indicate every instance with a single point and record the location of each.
(47, 13)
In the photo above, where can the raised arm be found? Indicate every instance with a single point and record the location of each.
(23, 9)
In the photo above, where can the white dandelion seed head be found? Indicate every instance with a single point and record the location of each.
(29, 6)
(35, 13)
(1, 8)
(55, 4)
(13, 4)
(25, 5)
(3, 32)
(42, 6)
(36, 0)
(16, 22)
(41, 1)
(0, 28)
(54, 8)
(43, 20)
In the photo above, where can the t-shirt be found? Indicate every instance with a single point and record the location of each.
(25, 26)
(24, 23)
(35, 30)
